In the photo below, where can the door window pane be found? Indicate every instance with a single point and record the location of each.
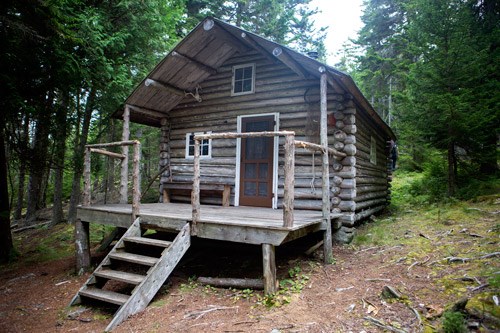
(263, 170)
(250, 189)
(262, 189)
(250, 171)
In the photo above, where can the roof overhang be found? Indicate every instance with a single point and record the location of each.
(209, 45)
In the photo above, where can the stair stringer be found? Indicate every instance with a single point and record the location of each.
(133, 230)
(156, 277)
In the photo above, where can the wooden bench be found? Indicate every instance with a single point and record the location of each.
(225, 190)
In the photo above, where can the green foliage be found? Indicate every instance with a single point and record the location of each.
(454, 322)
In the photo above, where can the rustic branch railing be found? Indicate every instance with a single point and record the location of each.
(96, 148)
(289, 169)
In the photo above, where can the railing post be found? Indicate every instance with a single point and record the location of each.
(86, 178)
(195, 193)
(136, 181)
(289, 187)
(124, 164)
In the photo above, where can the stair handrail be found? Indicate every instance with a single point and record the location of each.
(136, 183)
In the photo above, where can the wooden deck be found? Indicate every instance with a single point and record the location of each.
(251, 225)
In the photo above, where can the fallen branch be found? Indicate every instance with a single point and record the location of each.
(416, 315)
(490, 255)
(313, 248)
(343, 289)
(232, 283)
(30, 227)
(484, 285)
(380, 324)
(377, 279)
(424, 236)
(456, 259)
(198, 314)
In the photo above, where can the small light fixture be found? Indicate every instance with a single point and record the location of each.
(313, 54)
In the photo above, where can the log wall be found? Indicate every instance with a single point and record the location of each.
(277, 90)
(357, 186)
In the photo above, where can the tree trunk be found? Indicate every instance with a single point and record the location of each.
(37, 166)
(78, 158)
(452, 172)
(60, 150)
(6, 246)
(488, 164)
(23, 161)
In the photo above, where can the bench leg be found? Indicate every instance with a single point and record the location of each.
(226, 195)
(269, 265)
(166, 195)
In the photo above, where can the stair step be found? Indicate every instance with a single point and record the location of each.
(120, 276)
(104, 295)
(134, 258)
(148, 241)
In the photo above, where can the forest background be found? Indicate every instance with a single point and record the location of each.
(429, 67)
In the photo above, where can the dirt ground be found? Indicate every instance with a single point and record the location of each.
(342, 297)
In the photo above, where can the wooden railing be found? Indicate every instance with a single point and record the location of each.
(136, 185)
(289, 170)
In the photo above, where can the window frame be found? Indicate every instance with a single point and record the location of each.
(373, 150)
(233, 79)
(188, 145)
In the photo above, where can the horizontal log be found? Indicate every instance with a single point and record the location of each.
(370, 188)
(338, 115)
(350, 149)
(339, 135)
(113, 144)
(338, 145)
(349, 183)
(348, 193)
(316, 147)
(336, 180)
(339, 124)
(335, 190)
(345, 205)
(346, 172)
(350, 129)
(370, 203)
(370, 196)
(107, 153)
(349, 160)
(366, 213)
(350, 139)
(370, 180)
(233, 135)
(232, 282)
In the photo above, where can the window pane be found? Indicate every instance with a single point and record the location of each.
(247, 85)
(238, 86)
(250, 188)
(247, 72)
(262, 189)
(263, 168)
(191, 151)
(238, 73)
(204, 150)
(250, 171)
(256, 148)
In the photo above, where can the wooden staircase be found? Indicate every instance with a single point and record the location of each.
(137, 266)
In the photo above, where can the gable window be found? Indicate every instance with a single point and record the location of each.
(373, 150)
(243, 79)
(205, 146)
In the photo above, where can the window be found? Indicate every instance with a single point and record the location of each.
(205, 146)
(243, 79)
(373, 150)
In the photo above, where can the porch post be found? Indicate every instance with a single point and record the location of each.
(195, 193)
(269, 269)
(124, 164)
(289, 186)
(327, 237)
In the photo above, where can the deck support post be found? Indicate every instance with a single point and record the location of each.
(269, 269)
(124, 164)
(195, 193)
(289, 186)
(327, 236)
(136, 181)
(82, 245)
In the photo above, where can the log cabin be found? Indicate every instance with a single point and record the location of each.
(259, 144)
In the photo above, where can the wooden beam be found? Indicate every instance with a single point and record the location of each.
(269, 269)
(146, 111)
(107, 153)
(234, 135)
(201, 66)
(285, 58)
(289, 186)
(124, 164)
(316, 147)
(337, 87)
(112, 144)
(250, 41)
(164, 86)
(232, 282)
(229, 39)
(325, 207)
